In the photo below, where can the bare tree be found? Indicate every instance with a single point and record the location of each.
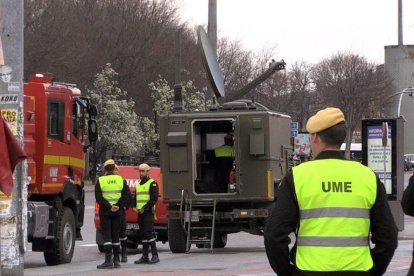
(351, 83)
(236, 64)
(301, 97)
(74, 39)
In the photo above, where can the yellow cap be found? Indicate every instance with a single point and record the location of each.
(325, 119)
(109, 162)
(144, 167)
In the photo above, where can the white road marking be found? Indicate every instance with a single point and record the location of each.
(88, 245)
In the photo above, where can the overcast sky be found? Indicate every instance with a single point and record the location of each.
(308, 30)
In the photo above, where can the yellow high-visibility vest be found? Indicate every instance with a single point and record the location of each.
(335, 198)
(111, 187)
(142, 193)
(224, 151)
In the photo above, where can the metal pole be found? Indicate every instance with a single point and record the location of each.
(400, 23)
(178, 98)
(408, 90)
(399, 105)
(212, 23)
(13, 216)
(212, 34)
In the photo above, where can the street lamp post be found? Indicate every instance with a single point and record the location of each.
(408, 90)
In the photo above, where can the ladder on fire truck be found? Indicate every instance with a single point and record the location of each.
(205, 210)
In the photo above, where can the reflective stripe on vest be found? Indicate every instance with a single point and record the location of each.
(111, 187)
(224, 151)
(335, 198)
(142, 193)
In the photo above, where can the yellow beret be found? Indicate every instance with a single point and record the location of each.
(109, 162)
(325, 119)
(144, 167)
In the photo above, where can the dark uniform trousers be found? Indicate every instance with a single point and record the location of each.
(110, 225)
(146, 226)
(122, 226)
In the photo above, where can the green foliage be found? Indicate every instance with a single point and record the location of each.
(120, 128)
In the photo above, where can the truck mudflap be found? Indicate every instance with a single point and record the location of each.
(234, 214)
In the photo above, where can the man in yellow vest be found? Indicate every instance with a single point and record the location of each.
(122, 227)
(335, 207)
(407, 204)
(146, 195)
(224, 159)
(111, 192)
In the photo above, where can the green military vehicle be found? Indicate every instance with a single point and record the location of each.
(202, 208)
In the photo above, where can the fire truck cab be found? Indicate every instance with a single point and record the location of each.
(56, 118)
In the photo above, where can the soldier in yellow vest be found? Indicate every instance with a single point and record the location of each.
(223, 163)
(146, 195)
(335, 207)
(407, 204)
(111, 192)
(122, 227)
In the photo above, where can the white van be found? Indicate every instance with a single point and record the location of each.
(356, 151)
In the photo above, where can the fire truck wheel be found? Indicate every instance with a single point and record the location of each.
(220, 240)
(64, 243)
(176, 236)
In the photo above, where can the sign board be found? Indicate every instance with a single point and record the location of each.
(301, 144)
(379, 157)
(294, 125)
(384, 155)
(294, 133)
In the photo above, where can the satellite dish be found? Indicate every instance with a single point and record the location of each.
(210, 63)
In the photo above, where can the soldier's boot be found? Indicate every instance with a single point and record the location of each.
(108, 258)
(154, 252)
(144, 259)
(117, 251)
(124, 258)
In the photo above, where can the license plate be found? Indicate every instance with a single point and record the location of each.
(134, 226)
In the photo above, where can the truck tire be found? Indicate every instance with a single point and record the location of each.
(220, 240)
(176, 236)
(64, 242)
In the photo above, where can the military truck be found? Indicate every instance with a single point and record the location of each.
(201, 211)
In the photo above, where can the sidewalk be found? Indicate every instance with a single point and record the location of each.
(89, 188)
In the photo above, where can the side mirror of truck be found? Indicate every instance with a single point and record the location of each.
(92, 130)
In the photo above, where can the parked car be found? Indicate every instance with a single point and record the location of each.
(408, 162)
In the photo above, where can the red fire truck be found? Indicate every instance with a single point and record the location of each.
(131, 175)
(56, 118)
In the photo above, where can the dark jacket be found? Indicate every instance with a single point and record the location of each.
(407, 202)
(153, 196)
(284, 220)
(105, 206)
